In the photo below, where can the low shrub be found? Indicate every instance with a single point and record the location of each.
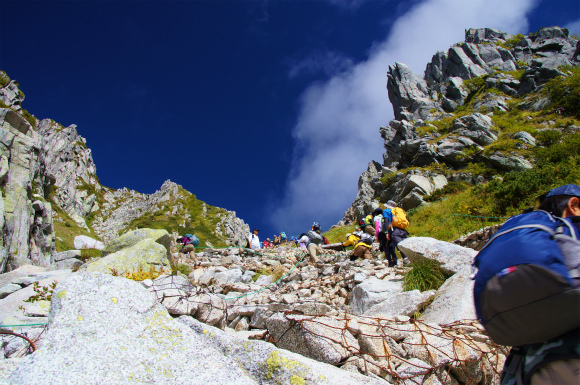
(548, 137)
(87, 254)
(424, 275)
(184, 269)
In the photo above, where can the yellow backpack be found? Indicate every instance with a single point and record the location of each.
(399, 218)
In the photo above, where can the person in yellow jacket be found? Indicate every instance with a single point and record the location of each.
(361, 249)
(370, 224)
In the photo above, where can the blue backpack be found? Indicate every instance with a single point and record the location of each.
(527, 286)
(190, 239)
(387, 219)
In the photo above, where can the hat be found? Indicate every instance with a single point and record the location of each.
(569, 189)
(255, 230)
(391, 204)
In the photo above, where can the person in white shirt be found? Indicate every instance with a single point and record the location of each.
(253, 240)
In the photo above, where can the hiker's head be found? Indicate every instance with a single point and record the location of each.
(316, 227)
(391, 204)
(377, 212)
(563, 201)
(256, 231)
(348, 235)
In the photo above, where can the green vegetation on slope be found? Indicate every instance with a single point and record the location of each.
(66, 229)
(564, 91)
(203, 226)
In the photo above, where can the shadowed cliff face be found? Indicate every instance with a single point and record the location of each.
(450, 118)
(50, 192)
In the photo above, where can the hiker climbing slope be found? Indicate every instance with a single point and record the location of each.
(189, 243)
(313, 240)
(362, 245)
(395, 223)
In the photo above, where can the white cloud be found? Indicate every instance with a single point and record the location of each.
(327, 62)
(337, 126)
(574, 27)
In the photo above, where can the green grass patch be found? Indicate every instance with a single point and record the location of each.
(453, 215)
(65, 228)
(449, 188)
(511, 42)
(424, 275)
(338, 234)
(276, 272)
(184, 269)
(87, 254)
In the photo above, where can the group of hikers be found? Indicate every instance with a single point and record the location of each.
(386, 226)
(527, 281)
(278, 240)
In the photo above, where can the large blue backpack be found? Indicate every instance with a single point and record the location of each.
(527, 286)
(191, 239)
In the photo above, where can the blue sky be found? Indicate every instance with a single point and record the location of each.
(269, 108)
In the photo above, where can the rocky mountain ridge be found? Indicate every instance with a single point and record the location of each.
(449, 119)
(50, 193)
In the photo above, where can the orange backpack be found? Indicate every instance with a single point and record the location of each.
(399, 218)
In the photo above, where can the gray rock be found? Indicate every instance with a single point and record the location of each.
(509, 163)
(69, 263)
(173, 292)
(25, 281)
(8, 289)
(264, 280)
(453, 301)
(525, 137)
(58, 257)
(405, 303)
(477, 127)
(409, 94)
(133, 237)
(485, 35)
(491, 102)
(359, 277)
(266, 363)
(125, 335)
(371, 292)
(12, 312)
(141, 256)
(324, 339)
(452, 258)
(229, 276)
(84, 242)
(312, 308)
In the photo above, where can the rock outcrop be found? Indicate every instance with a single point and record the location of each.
(444, 120)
